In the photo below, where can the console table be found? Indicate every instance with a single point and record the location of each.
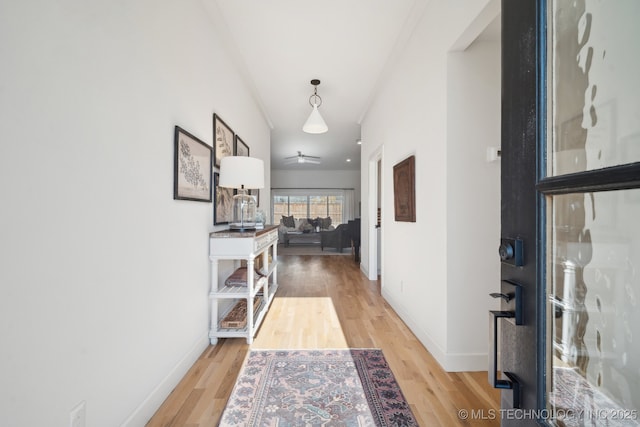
(247, 246)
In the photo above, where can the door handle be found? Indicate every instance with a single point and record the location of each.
(505, 297)
(512, 382)
(512, 295)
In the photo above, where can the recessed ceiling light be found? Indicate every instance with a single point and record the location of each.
(359, 141)
(348, 160)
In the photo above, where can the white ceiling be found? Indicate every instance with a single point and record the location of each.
(281, 45)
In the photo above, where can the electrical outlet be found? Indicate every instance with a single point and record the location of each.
(401, 285)
(78, 415)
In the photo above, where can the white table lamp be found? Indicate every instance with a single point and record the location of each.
(242, 173)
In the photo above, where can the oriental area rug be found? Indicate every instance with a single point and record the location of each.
(347, 387)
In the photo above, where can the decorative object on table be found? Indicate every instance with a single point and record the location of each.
(349, 387)
(242, 173)
(192, 167)
(239, 277)
(302, 158)
(237, 317)
(404, 191)
(240, 148)
(223, 204)
(256, 195)
(260, 217)
(223, 139)
(315, 123)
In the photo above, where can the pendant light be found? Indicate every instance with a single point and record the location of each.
(315, 123)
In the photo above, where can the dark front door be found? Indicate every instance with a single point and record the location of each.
(569, 326)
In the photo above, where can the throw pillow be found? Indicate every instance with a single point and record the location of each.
(288, 221)
(326, 222)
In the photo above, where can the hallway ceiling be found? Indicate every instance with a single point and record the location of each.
(279, 46)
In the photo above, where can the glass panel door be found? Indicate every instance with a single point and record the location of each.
(594, 308)
(280, 207)
(336, 205)
(594, 91)
(298, 206)
(593, 236)
(317, 207)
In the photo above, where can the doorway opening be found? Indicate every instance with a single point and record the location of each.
(375, 231)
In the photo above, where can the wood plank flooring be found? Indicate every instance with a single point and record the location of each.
(326, 302)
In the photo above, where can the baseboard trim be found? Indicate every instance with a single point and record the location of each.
(467, 362)
(151, 403)
(364, 269)
(450, 362)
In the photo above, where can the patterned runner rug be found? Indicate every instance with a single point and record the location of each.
(349, 387)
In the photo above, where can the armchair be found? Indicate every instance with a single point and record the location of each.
(339, 238)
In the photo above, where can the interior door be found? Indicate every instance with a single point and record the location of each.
(569, 326)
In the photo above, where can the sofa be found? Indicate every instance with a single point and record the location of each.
(303, 225)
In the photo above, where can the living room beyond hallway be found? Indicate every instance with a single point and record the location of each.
(326, 302)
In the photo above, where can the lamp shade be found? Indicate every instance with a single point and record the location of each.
(315, 123)
(241, 172)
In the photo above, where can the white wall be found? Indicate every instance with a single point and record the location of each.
(473, 200)
(410, 116)
(104, 277)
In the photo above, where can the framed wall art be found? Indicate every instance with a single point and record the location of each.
(223, 138)
(240, 148)
(223, 203)
(404, 190)
(192, 167)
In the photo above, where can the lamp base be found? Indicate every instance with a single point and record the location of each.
(244, 212)
(236, 227)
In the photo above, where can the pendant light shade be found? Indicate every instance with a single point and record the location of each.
(315, 123)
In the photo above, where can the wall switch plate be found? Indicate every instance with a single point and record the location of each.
(78, 415)
(493, 154)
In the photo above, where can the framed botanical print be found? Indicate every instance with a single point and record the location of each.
(240, 148)
(223, 139)
(223, 203)
(192, 167)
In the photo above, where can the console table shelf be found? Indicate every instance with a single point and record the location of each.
(242, 246)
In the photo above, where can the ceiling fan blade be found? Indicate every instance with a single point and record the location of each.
(301, 158)
(312, 160)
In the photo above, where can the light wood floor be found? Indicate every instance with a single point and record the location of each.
(326, 302)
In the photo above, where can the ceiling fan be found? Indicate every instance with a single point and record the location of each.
(301, 158)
